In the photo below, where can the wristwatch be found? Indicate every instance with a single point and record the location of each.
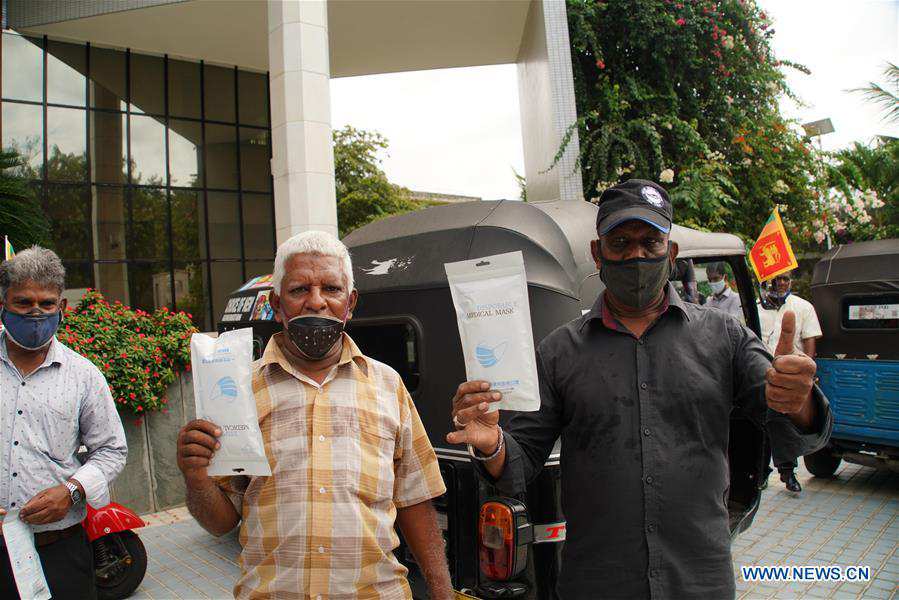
(74, 492)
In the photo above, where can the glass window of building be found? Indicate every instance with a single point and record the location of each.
(255, 173)
(66, 144)
(152, 192)
(219, 93)
(147, 150)
(221, 156)
(108, 141)
(252, 107)
(184, 89)
(147, 84)
(185, 153)
(66, 66)
(259, 238)
(107, 83)
(23, 132)
(224, 224)
(23, 68)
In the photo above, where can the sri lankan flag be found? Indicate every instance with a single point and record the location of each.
(772, 255)
(8, 252)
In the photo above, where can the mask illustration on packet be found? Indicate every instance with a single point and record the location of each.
(491, 299)
(223, 389)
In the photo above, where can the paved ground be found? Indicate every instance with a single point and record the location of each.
(850, 520)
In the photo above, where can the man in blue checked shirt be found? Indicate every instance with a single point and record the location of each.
(52, 400)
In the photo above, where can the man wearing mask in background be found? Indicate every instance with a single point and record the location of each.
(641, 389)
(54, 400)
(776, 302)
(723, 297)
(349, 456)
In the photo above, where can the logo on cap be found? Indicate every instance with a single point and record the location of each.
(652, 195)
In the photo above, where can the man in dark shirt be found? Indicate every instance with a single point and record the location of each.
(641, 389)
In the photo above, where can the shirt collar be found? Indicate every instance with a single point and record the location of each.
(600, 312)
(54, 354)
(350, 354)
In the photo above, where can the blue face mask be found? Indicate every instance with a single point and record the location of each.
(31, 332)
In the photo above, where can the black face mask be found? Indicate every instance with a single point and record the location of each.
(636, 281)
(314, 336)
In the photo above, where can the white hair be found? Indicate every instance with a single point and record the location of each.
(36, 264)
(319, 243)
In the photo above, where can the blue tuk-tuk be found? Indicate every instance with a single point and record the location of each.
(855, 290)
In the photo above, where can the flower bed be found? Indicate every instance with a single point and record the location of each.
(140, 353)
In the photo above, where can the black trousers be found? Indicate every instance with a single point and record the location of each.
(68, 566)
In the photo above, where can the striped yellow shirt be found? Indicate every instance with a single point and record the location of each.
(344, 456)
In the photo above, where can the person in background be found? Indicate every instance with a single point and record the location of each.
(54, 400)
(723, 297)
(776, 301)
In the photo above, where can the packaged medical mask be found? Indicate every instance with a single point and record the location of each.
(490, 295)
(223, 389)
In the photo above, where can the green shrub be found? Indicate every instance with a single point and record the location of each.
(140, 353)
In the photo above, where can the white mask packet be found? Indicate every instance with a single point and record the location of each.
(490, 295)
(23, 558)
(223, 389)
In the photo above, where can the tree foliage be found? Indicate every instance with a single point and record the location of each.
(887, 96)
(691, 87)
(861, 193)
(21, 216)
(363, 192)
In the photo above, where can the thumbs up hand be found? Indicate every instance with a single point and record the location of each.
(789, 380)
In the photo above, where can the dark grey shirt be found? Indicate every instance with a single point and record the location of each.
(644, 428)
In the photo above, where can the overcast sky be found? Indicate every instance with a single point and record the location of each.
(457, 130)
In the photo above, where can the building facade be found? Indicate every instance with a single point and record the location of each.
(173, 143)
(153, 173)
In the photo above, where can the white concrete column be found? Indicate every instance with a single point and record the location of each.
(302, 157)
(546, 97)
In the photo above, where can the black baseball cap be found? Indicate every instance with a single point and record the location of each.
(635, 199)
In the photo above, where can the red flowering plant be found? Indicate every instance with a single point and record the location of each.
(139, 353)
(687, 93)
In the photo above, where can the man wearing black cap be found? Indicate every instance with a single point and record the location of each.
(640, 389)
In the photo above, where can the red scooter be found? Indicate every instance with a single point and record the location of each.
(120, 559)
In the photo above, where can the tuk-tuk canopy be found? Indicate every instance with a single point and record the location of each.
(873, 261)
(409, 251)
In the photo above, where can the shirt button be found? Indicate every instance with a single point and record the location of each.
(654, 573)
(321, 490)
(15, 474)
(321, 438)
(649, 479)
(643, 386)
(13, 504)
(319, 597)
(640, 341)
(23, 383)
(650, 528)
(19, 411)
(321, 549)
(15, 443)
(647, 432)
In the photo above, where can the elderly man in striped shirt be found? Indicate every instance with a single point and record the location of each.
(348, 453)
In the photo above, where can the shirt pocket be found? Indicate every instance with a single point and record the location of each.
(370, 475)
(54, 428)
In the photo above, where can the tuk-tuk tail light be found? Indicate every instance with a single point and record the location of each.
(504, 534)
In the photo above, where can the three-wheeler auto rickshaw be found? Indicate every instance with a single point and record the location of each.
(855, 291)
(405, 318)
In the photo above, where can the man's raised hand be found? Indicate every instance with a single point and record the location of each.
(790, 378)
(474, 424)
